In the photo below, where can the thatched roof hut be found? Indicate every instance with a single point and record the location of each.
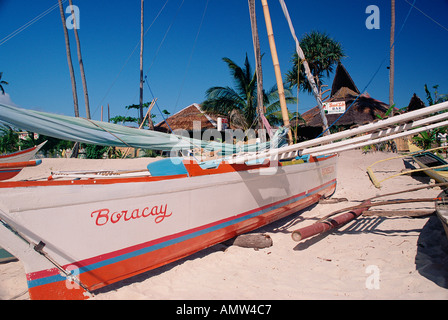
(415, 103)
(363, 109)
(342, 79)
(185, 118)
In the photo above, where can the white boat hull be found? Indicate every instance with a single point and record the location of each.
(106, 230)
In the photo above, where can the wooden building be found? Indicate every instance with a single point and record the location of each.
(190, 119)
(361, 108)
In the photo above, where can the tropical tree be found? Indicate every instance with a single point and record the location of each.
(240, 102)
(427, 139)
(9, 140)
(2, 83)
(148, 121)
(273, 109)
(438, 98)
(322, 53)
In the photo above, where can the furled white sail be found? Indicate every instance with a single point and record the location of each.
(104, 133)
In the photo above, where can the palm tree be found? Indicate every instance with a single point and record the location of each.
(9, 140)
(322, 53)
(240, 103)
(2, 82)
(273, 108)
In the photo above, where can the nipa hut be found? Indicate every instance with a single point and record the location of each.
(415, 103)
(363, 108)
(189, 119)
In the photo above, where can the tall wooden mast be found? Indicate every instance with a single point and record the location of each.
(253, 23)
(392, 55)
(278, 74)
(141, 60)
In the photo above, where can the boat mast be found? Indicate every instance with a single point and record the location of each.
(253, 23)
(141, 61)
(278, 74)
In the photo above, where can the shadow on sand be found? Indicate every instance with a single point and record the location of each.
(432, 253)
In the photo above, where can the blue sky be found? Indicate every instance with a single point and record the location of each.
(180, 70)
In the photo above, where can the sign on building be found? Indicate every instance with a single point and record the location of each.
(335, 107)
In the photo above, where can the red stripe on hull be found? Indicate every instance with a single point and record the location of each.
(14, 154)
(5, 175)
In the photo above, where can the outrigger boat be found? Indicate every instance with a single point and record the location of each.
(11, 164)
(436, 168)
(75, 236)
(97, 232)
(429, 163)
(432, 165)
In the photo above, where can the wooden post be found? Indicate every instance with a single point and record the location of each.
(69, 60)
(81, 64)
(253, 23)
(278, 74)
(392, 57)
(141, 60)
(141, 124)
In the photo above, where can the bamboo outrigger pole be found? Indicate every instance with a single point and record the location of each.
(278, 74)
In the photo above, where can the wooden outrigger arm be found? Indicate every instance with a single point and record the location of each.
(384, 135)
(403, 125)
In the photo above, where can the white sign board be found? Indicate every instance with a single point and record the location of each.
(334, 107)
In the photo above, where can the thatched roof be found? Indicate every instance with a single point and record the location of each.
(415, 103)
(185, 118)
(363, 110)
(342, 79)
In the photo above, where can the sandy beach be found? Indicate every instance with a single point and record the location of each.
(372, 257)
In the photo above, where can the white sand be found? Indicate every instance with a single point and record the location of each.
(370, 258)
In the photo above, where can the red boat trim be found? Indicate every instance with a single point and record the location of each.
(193, 170)
(17, 153)
(8, 174)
